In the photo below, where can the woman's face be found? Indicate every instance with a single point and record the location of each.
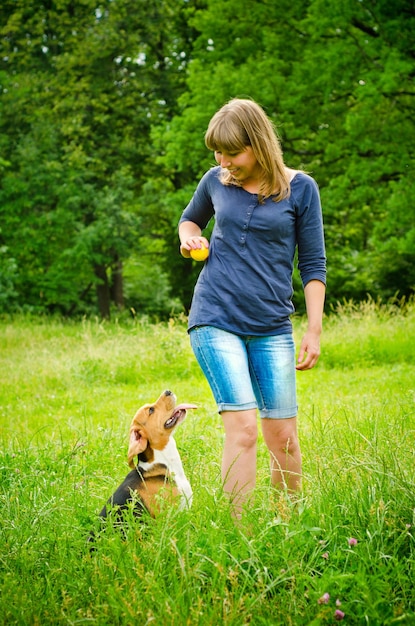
(242, 165)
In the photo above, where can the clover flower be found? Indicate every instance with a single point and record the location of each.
(352, 541)
(338, 615)
(324, 598)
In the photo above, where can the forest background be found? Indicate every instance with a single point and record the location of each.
(103, 109)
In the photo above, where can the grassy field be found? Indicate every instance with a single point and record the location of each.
(345, 552)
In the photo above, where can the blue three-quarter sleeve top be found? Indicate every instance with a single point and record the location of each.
(245, 286)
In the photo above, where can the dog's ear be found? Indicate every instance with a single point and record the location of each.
(138, 443)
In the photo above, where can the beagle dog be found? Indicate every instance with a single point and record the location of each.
(159, 471)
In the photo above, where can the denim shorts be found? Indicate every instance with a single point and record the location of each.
(246, 372)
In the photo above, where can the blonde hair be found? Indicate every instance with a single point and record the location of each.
(241, 123)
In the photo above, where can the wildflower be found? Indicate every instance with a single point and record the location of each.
(352, 541)
(325, 555)
(338, 603)
(324, 599)
(338, 615)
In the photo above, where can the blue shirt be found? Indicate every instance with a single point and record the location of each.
(245, 286)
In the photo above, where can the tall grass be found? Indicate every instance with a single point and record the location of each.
(67, 394)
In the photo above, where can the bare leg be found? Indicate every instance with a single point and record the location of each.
(239, 456)
(281, 438)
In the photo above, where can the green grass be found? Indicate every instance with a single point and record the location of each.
(67, 394)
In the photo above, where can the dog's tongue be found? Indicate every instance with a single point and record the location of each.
(184, 407)
(178, 415)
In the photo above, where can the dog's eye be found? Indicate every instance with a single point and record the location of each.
(151, 410)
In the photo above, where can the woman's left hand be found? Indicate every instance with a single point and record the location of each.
(309, 351)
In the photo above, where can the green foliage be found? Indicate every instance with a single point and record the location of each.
(147, 290)
(79, 95)
(65, 407)
(103, 109)
(366, 126)
(7, 280)
(338, 83)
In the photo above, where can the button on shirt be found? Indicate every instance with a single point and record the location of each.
(245, 286)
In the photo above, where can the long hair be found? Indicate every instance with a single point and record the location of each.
(241, 123)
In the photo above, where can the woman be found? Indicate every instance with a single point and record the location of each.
(239, 322)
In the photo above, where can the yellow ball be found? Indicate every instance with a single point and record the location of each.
(200, 254)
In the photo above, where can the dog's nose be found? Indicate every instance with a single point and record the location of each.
(168, 393)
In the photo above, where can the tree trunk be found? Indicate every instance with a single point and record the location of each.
(117, 284)
(103, 291)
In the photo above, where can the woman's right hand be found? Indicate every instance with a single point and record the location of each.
(192, 243)
(191, 238)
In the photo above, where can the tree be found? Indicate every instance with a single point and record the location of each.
(82, 83)
(247, 55)
(364, 134)
(338, 82)
(103, 108)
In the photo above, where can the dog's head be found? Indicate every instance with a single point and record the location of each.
(153, 425)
